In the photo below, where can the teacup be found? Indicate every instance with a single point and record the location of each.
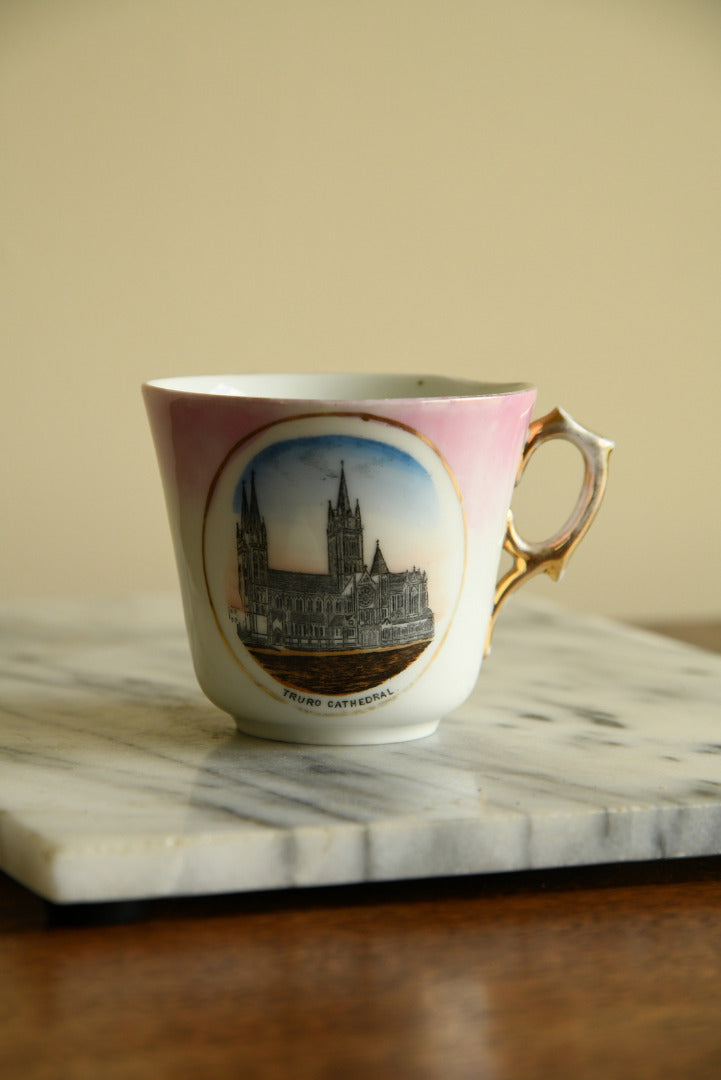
(338, 539)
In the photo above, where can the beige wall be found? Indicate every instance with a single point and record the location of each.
(496, 188)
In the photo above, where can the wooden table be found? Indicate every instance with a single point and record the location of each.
(599, 972)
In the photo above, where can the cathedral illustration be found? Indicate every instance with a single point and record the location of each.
(350, 607)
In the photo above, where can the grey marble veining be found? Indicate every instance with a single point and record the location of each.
(584, 742)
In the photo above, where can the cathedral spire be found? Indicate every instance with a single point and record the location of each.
(252, 525)
(379, 564)
(254, 512)
(343, 504)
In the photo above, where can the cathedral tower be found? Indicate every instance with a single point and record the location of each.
(345, 534)
(252, 546)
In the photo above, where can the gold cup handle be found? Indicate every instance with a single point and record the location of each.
(551, 556)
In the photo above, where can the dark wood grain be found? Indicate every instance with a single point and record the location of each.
(610, 972)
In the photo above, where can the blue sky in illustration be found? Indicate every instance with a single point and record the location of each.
(295, 479)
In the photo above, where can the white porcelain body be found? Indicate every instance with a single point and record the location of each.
(338, 541)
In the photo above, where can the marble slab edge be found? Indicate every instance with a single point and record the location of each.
(584, 743)
(305, 858)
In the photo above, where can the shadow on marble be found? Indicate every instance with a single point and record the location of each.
(584, 742)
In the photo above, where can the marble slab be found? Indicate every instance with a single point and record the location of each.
(584, 742)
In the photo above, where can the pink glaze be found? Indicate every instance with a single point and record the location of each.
(481, 438)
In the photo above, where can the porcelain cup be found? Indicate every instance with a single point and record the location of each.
(338, 539)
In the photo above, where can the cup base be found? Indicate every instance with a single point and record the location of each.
(337, 734)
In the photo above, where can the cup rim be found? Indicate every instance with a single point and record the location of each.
(335, 386)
